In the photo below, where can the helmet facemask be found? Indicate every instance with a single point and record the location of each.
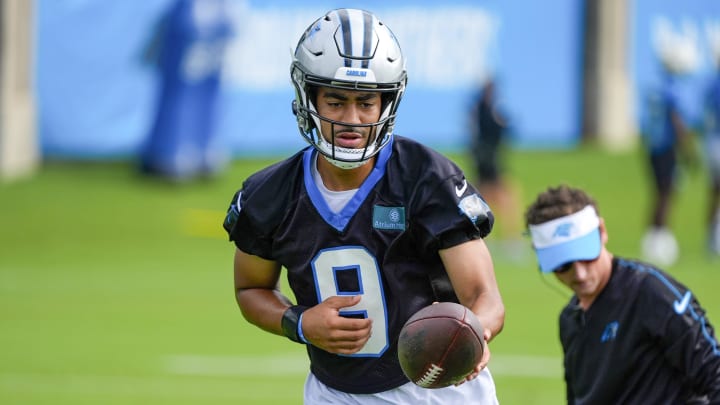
(324, 58)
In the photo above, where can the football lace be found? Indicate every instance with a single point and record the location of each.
(430, 376)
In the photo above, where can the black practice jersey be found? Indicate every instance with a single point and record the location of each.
(383, 245)
(644, 340)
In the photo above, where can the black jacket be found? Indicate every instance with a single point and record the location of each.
(644, 340)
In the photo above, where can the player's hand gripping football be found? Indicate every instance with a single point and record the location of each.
(485, 358)
(324, 327)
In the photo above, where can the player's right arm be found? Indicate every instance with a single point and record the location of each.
(324, 327)
(262, 304)
(257, 292)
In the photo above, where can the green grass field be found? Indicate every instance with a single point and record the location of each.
(116, 289)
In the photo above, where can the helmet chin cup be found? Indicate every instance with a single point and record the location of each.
(345, 165)
(347, 49)
(345, 158)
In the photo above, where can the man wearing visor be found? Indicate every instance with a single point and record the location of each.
(631, 333)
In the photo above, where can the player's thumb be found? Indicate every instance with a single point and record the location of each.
(342, 301)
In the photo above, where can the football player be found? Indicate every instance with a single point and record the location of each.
(369, 226)
(669, 143)
(711, 132)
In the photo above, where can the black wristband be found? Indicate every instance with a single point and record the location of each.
(290, 322)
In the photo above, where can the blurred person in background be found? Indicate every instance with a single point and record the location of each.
(188, 49)
(488, 143)
(711, 131)
(370, 226)
(668, 142)
(631, 333)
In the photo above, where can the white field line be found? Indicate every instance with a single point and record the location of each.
(526, 366)
(271, 365)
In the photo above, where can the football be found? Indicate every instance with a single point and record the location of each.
(440, 345)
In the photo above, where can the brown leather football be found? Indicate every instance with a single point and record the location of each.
(440, 345)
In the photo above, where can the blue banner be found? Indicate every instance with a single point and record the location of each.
(98, 92)
(679, 29)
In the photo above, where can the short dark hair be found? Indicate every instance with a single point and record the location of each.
(556, 202)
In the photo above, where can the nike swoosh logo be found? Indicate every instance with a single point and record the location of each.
(681, 306)
(459, 191)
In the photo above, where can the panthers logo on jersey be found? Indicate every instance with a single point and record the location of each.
(474, 208)
(233, 213)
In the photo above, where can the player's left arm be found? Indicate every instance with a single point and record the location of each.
(471, 271)
(472, 274)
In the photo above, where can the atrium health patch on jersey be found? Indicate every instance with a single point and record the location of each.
(391, 218)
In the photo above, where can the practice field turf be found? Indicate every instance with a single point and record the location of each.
(116, 289)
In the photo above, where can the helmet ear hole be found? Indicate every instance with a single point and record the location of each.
(302, 117)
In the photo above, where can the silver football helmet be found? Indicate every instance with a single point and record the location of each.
(347, 49)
